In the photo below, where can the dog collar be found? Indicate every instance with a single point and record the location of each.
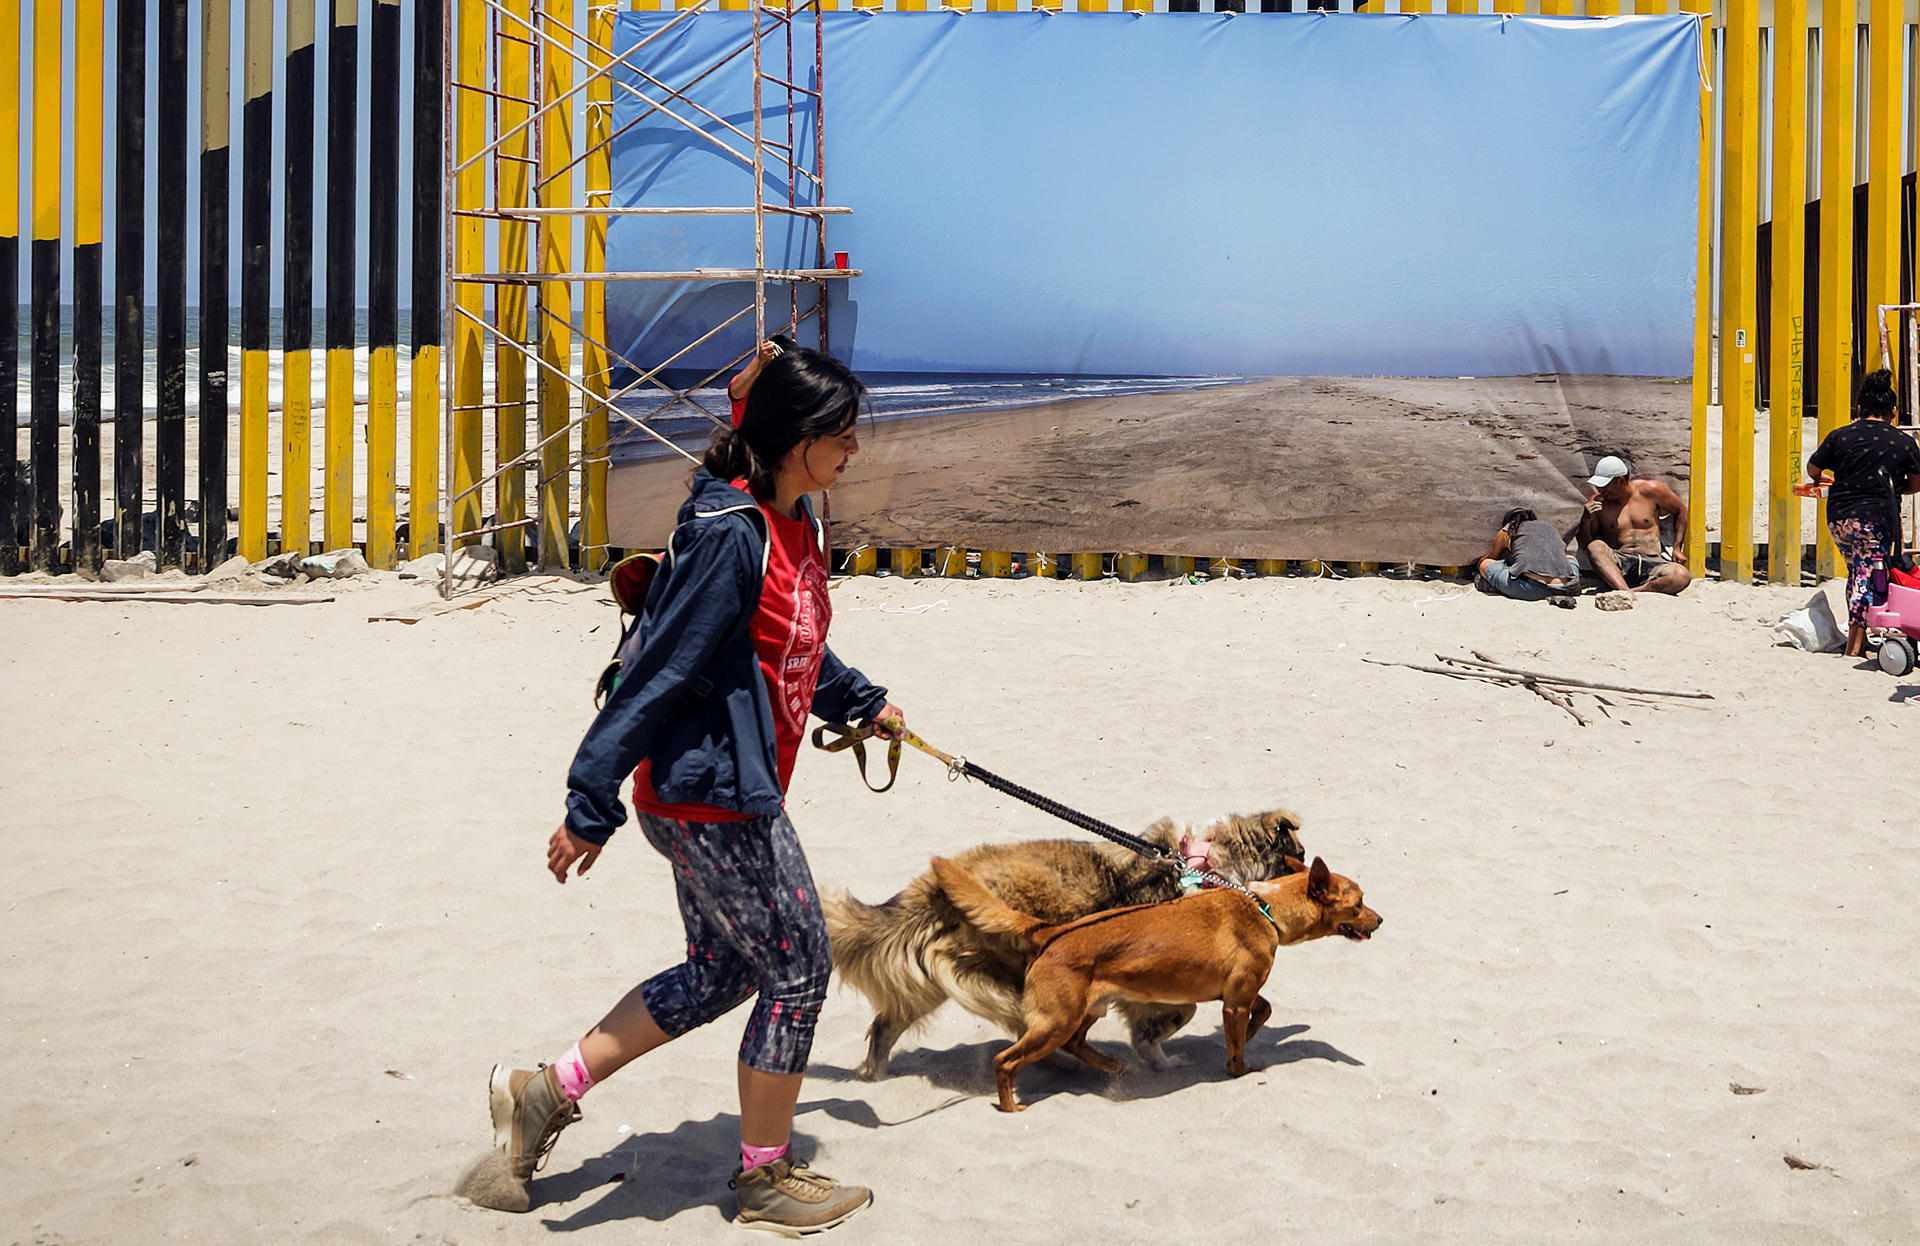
(1192, 880)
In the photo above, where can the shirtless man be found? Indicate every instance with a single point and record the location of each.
(1621, 531)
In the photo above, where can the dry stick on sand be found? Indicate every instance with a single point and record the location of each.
(1490, 677)
(1569, 682)
(1559, 699)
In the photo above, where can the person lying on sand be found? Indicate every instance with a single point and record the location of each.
(1621, 531)
(1528, 561)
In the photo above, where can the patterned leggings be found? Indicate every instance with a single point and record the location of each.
(1865, 545)
(753, 925)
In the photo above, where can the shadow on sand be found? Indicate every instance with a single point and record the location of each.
(656, 1176)
(968, 1068)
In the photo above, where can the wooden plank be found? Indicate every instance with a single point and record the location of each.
(477, 597)
(178, 597)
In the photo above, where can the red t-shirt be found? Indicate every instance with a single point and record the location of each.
(789, 633)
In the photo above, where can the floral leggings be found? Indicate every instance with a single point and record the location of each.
(1865, 545)
(754, 927)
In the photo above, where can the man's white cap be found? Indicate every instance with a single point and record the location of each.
(1608, 470)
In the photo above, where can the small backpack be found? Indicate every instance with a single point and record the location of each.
(631, 579)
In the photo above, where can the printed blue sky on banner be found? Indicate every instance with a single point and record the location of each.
(1165, 194)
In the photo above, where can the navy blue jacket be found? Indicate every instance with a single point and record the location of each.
(692, 701)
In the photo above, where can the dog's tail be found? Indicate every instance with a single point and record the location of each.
(982, 907)
(880, 950)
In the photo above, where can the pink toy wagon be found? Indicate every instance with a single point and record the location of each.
(1901, 613)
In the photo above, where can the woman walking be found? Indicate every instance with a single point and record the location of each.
(1873, 463)
(707, 719)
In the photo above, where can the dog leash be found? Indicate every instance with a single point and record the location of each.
(839, 736)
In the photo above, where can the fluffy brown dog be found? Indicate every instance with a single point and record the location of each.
(1210, 945)
(913, 953)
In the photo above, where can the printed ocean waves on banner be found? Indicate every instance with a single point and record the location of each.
(894, 396)
(23, 412)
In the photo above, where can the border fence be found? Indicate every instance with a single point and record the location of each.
(1807, 230)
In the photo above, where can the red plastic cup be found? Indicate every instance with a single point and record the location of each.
(839, 259)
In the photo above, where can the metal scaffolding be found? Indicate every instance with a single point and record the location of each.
(519, 72)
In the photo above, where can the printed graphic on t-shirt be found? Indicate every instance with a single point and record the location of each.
(806, 644)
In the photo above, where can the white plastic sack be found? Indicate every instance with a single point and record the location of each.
(1812, 627)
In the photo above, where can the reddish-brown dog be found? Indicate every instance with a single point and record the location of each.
(1210, 945)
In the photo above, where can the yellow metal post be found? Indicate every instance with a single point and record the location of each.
(1698, 486)
(950, 561)
(863, 561)
(1886, 91)
(1270, 566)
(556, 306)
(1088, 566)
(10, 271)
(512, 159)
(383, 280)
(342, 230)
(1656, 8)
(906, 561)
(469, 255)
(1463, 6)
(44, 286)
(1834, 386)
(593, 358)
(1739, 196)
(296, 349)
(995, 564)
(255, 231)
(1556, 8)
(1603, 8)
(1786, 364)
(1043, 566)
(89, 99)
(429, 283)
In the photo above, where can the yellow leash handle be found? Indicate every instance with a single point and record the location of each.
(837, 737)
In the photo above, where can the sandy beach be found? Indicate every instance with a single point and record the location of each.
(275, 903)
(1380, 469)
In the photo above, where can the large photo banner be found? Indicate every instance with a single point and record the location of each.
(1280, 286)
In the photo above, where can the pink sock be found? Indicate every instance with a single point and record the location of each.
(571, 1069)
(751, 1157)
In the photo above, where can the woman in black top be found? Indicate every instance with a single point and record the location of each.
(1873, 463)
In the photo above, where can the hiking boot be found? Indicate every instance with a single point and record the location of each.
(791, 1199)
(529, 1111)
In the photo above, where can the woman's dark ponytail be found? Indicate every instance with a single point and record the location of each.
(728, 457)
(800, 394)
(1876, 396)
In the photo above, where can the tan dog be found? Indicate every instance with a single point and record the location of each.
(916, 951)
(1211, 945)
